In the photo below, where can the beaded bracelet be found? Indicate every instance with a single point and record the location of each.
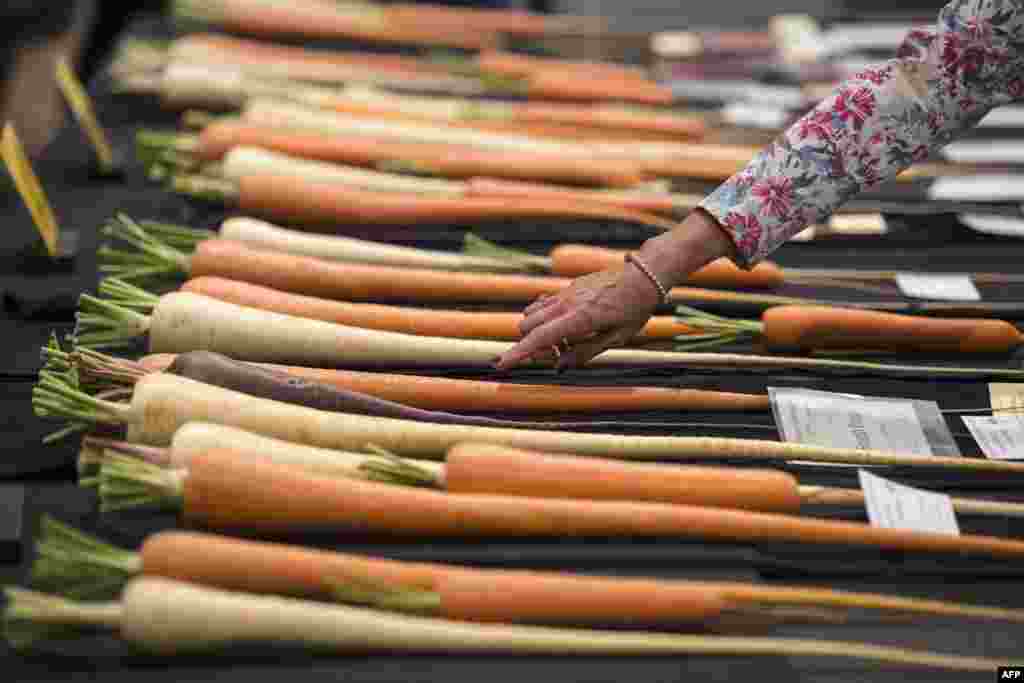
(662, 292)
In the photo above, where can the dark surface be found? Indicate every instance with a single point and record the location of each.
(37, 303)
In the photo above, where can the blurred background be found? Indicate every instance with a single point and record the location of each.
(34, 32)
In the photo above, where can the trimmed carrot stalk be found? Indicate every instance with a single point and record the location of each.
(822, 327)
(322, 19)
(449, 160)
(408, 320)
(650, 202)
(501, 470)
(225, 491)
(444, 393)
(295, 199)
(166, 617)
(574, 260)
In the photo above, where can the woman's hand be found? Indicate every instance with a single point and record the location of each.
(607, 309)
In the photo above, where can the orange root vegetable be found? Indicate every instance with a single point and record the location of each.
(567, 85)
(223, 490)
(360, 282)
(574, 260)
(514, 65)
(650, 202)
(323, 19)
(292, 199)
(213, 560)
(674, 125)
(444, 393)
(824, 327)
(453, 161)
(501, 470)
(363, 282)
(420, 321)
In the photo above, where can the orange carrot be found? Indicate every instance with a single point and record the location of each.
(674, 125)
(574, 260)
(506, 471)
(453, 161)
(474, 19)
(556, 85)
(443, 393)
(826, 327)
(424, 322)
(279, 569)
(365, 282)
(213, 560)
(224, 490)
(536, 597)
(515, 65)
(302, 201)
(535, 126)
(361, 282)
(650, 202)
(709, 168)
(324, 19)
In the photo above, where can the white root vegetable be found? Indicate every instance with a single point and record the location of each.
(243, 161)
(269, 112)
(183, 321)
(263, 235)
(194, 438)
(161, 404)
(171, 617)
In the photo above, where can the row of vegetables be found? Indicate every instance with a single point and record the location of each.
(262, 406)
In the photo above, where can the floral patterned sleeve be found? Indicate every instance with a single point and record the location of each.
(942, 82)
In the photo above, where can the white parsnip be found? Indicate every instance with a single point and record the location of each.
(261, 234)
(194, 438)
(243, 161)
(169, 617)
(161, 404)
(270, 112)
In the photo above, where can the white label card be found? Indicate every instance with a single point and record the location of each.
(1006, 398)
(1001, 437)
(945, 287)
(895, 506)
(898, 425)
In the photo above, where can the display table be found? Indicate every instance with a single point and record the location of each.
(83, 202)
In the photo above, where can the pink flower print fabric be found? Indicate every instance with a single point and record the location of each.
(888, 116)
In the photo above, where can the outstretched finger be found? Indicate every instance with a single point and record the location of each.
(541, 302)
(573, 325)
(580, 354)
(556, 309)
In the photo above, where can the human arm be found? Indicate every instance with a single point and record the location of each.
(872, 127)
